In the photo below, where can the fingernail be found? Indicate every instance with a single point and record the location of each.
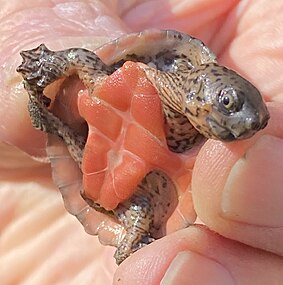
(192, 268)
(253, 192)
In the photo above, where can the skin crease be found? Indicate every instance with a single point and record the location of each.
(242, 208)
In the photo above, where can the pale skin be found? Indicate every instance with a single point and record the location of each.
(236, 187)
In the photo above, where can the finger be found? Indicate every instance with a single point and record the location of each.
(237, 188)
(198, 18)
(198, 256)
(58, 30)
(255, 26)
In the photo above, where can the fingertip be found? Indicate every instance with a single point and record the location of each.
(237, 187)
(156, 262)
(189, 267)
(15, 124)
(19, 132)
(253, 192)
(197, 255)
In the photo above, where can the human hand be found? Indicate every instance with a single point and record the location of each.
(254, 222)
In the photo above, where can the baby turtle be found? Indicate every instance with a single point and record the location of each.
(200, 99)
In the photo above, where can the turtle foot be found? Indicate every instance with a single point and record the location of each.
(124, 251)
(39, 67)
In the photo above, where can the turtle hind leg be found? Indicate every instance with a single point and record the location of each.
(144, 215)
(137, 218)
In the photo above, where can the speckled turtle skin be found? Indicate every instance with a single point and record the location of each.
(200, 99)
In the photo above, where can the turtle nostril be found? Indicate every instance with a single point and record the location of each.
(264, 124)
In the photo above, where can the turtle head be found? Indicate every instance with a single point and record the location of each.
(225, 105)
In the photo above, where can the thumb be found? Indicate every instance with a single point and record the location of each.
(15, 125)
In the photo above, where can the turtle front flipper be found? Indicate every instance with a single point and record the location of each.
(144, 215)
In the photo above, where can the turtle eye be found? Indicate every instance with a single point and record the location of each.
(228, 99)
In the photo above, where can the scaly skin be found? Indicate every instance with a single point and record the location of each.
(198, 96)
